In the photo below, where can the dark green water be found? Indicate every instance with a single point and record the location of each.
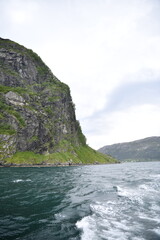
(84, 202)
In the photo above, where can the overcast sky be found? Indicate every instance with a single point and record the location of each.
(107, 51)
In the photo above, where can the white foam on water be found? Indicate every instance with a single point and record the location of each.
(43, 220)
(108, 221)
(155, 176)
(60, 216)
(144, 187)
(101, 210)
(97, 229)
(151, 218)
(22, 180)
(149, 188)
(18, 180)
(115, 234)
(122, 192)
(138, 238)
(155, 208)
(157, 231)
(135, 208)
(88, 227)
(132, 194)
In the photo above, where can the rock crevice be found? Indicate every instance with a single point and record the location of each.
(37, 111)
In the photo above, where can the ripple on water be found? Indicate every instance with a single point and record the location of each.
(88, 202)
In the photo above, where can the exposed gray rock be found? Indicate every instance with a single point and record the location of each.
(15, 99)
(37, 112)
(7, 146)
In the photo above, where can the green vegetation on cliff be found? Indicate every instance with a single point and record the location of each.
(37, 115)
(80, 155)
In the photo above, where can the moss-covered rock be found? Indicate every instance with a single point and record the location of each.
(71, 156)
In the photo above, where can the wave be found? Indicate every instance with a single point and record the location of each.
(104, 223)
(131, 194)
(123, 218)
(88, 227)
(113, 220)
(22, 180)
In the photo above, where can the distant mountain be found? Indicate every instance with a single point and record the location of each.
(147, 149)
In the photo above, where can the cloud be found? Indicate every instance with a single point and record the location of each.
(132, 112)
(121, 126)
(107, 51)
(133, 94)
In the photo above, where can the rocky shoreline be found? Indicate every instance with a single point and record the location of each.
(53, 165)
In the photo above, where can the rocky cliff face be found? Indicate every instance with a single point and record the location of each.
(37, 113)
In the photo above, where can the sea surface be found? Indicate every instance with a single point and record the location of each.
(119, 201)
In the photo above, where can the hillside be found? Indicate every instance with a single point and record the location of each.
(147, 149)
(37, 115)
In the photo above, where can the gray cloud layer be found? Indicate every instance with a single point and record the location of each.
(99, 48)
(134, 93)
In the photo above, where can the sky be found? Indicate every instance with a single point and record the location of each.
(107, 51)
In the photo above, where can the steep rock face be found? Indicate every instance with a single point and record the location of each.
(147, 149)
(37, 112)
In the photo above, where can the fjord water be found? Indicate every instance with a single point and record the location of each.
(119, 201)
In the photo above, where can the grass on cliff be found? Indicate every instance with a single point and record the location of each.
(10, 110)
(80, 155)
(6, 129)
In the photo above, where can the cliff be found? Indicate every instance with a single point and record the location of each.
(37, 114)
(147, 149)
